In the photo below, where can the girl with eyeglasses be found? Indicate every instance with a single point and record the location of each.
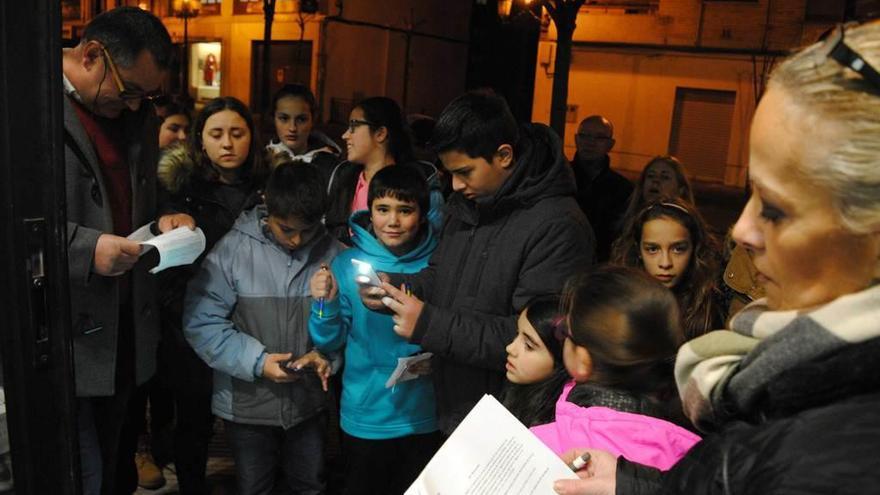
(614, 337)
(377, 137)
(670, 241)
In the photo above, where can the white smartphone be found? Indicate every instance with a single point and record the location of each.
(364, 273)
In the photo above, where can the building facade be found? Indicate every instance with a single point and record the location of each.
(678, 77)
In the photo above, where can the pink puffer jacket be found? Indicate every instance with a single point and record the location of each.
(643, 439)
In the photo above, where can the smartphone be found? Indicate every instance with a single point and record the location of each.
(364, 273)
(285, 365)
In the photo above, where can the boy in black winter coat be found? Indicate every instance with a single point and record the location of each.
(514, 231)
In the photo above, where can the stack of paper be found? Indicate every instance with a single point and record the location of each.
(491, 453)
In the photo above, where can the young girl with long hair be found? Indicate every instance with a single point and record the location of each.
(620, 336)
(670, 241)
(535, 371)
(294, 112)
(215, 176)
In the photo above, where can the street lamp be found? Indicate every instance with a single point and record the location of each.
(186, 10)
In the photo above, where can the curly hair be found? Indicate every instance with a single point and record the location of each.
(697, 292)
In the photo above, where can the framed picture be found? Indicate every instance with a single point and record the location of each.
(74, 10)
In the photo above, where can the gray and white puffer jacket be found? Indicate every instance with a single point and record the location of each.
(251, 297)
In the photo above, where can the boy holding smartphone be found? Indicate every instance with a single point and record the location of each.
(389, 434)
(246, 313)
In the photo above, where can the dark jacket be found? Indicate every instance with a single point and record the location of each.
(341, 188)
(493, 257)
(604, 200)
(94, 299)
(213, 205)
(816, 430)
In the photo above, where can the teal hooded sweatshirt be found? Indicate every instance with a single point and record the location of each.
(368, 410)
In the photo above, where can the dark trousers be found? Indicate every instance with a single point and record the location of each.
(386, 466)
(192, 388)
(100, 422)
(100, 419)
(181, 389)
(259, 451)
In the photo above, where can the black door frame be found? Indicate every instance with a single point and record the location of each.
(35, 341)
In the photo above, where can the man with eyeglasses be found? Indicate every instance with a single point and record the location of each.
(111, 151)
(602, 193)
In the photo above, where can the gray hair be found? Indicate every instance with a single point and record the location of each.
(830, 92)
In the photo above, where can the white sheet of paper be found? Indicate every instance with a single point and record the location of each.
(489, 453)
(180, 246)
(402, 373)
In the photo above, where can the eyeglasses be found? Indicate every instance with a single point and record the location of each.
(353, 124)
(836, 49)
(582, 135)
(125, 93)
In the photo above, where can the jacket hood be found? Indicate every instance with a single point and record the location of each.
(176, 167)
(251, 223)
(363, 239)
(540, 171)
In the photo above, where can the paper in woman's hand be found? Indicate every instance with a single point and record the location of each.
(177, 247)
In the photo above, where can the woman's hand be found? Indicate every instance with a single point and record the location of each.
(323, 284)
(598, 477)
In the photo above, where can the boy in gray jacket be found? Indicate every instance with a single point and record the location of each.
(246, 314)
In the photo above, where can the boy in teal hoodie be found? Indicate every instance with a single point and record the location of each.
(389, 434)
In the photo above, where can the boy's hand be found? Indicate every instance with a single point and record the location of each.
(407, 309)
(272, 368)
(314, 359)
(372, 296)
(323, 284)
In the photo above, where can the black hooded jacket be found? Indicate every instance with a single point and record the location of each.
(494, 256)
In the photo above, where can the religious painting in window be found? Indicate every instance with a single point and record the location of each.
(205, 70)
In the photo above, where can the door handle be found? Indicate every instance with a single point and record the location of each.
(38, 285)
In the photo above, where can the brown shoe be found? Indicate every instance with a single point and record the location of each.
(149, 474)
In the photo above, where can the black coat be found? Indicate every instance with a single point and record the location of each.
(492, 259)
(816, 430)
(604, 200)
(213, 205)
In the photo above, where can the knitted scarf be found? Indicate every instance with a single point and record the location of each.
(725, 372)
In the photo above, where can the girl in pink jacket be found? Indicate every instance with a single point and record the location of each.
(619, 336)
